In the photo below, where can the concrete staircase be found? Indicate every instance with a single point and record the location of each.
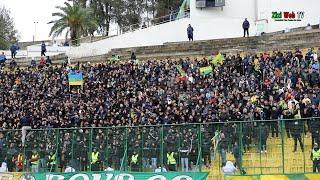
(271, 162)
(25, 61)
(267, 42)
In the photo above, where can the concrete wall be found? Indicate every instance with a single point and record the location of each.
(310, 8)
(209, 23)
(222, 22)
(155, 35)
(35, 50)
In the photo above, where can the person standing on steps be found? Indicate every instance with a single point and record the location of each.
(43, 49)
(315, 157)
(13, 50)
(245, 26)
(190, 32)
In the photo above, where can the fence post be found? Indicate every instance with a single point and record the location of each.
(282, 143)
(57, 148)
(304, 144)
(141, 150)
(240, 135)
(260, 147)
(107, 148)
(200, 146)
(24, 159)
(179, 145)
(161, 147)
(72, 145)
(90, 148)
(126, 150)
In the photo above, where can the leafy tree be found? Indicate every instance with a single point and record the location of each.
(102, 10)
(76, 20)
(81, 3)
(8, 33)
(127, 14)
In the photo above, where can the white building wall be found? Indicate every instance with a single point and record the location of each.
(222, 22)
(310, 8)
(208, 23)
(155, 35)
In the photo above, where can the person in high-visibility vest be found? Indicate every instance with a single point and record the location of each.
(95, 163)
(34, 161)
(52, 159)
(171, 161)
(315, 157)
(134, 162)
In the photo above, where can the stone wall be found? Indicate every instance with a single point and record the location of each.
(287, 41)
(268, 42)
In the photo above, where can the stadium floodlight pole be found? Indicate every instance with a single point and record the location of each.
(35, 30)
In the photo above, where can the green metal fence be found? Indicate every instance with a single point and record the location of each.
(253, 145)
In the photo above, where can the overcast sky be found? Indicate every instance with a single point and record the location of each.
(26, 12)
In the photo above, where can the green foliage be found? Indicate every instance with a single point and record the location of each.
(127, 14)
(8, 33)
(75, 19)
(162, 7)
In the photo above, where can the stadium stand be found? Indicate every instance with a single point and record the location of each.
(196, 108)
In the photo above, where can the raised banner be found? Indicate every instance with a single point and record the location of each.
(206, 70)
(75, 79)
(115, 175)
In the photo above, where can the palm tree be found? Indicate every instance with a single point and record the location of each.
(76, 20)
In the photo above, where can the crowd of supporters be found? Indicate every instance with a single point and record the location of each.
(280, 85)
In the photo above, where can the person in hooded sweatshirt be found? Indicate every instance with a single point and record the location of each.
(229, 168)
(3, 167)
(71, 167)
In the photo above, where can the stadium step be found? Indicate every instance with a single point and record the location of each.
(272, 161)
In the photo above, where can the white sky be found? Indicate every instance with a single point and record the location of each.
(26, 12)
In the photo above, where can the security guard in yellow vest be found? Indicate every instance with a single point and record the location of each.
(315, 157)
(52, 161)
(34, 161)
(171, 161)
(95, 163)
(134, 162)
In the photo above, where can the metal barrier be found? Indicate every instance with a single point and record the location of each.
(258, 147)
(134, 27)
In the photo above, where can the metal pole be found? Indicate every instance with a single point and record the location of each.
(141, 149)
(161, 147)
(282, 143)
(35, 31)
(107, 148)
(72, 145)
(240, 144)
(57, 149)
(303, 145)
(260, 147)
(90, 148)
(126, 150)
(200, 147)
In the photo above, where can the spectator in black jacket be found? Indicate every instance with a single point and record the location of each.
(184, 154)
(26, 125)
(315, 125)
(297, 129)
(222, 148)
(43, 49)
(264, 132)
(245, 26)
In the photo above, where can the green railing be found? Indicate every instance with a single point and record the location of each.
(196, 147)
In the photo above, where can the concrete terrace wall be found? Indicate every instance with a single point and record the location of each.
(209, 23)
(268, 42)
(155, 35)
